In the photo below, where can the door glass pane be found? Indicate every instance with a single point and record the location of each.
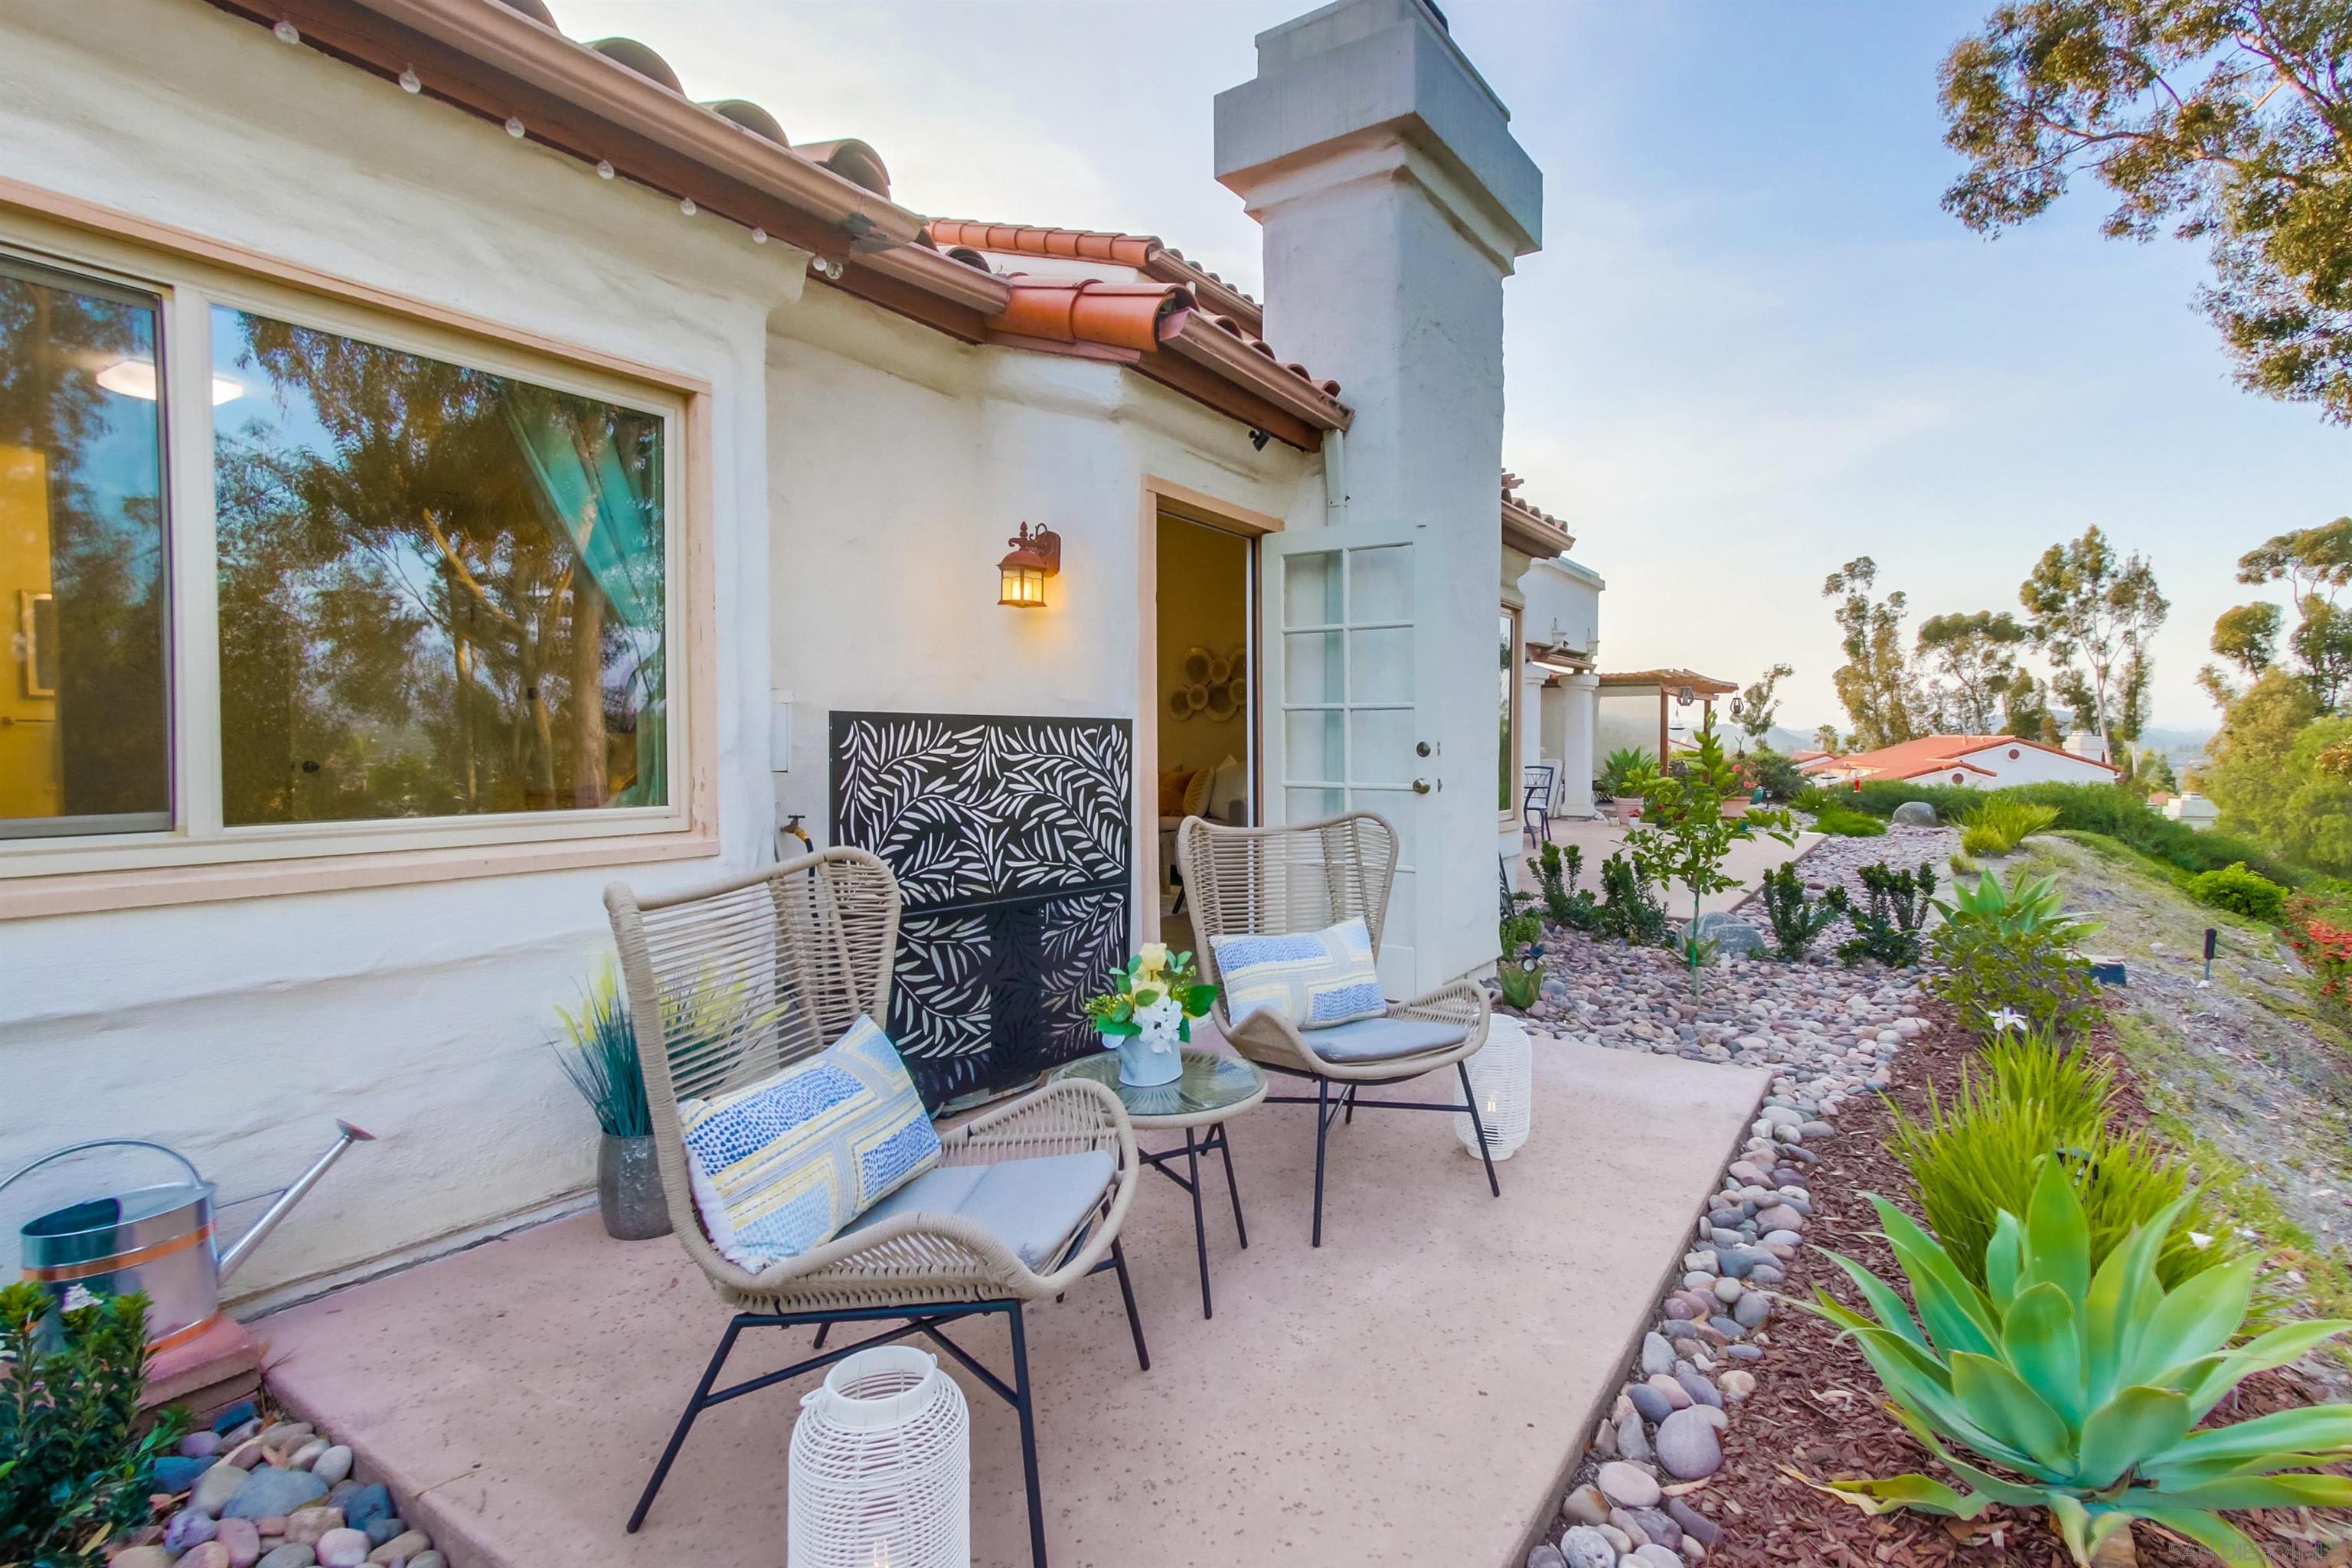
(1312, 804)
(1382, 665)
(1311, 744)
(1310, 589)
(1380, 584)
(441, 590)
(83, 725)
(1312, 671)
(1380, 746)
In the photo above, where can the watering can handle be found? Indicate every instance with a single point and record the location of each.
(24, 1171)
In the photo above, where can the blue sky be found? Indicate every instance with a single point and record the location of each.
(1754, 345)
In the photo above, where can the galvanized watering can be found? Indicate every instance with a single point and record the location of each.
(157, 1239)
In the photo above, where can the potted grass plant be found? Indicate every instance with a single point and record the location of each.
(599, 1055)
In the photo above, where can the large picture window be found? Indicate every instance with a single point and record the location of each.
(441, 591)
(282, 579)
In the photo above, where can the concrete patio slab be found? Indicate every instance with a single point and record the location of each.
(1413, 1394)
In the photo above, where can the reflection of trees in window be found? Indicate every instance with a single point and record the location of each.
(84, 523)
(441, 590)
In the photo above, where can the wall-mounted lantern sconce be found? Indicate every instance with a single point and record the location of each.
(1035, 555)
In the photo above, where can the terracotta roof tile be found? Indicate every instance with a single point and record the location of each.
(1932, 754)
(1132, 316)
(1144, 252)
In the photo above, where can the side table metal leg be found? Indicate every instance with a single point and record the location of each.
(1226, 1147)
(1200, 1227)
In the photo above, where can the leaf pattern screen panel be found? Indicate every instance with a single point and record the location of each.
(1011, 840)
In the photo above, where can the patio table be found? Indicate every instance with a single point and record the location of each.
(1212, 1089)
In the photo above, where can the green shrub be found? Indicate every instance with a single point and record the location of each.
(2000, 821)
(2239, 891)
(1977, 1155)
(1520, 984)
(72, 1477)
(1773, 773)
(1887, 927)
(2106, 809)
(2022, 904)
(1629, 911)
(1622, 771)
(1984, 972)
(2084, 1383)
(1797, 921)
(1837, 819)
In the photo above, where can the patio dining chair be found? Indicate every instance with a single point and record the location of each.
(1289, 881)
(731, 983)
(1534, 801)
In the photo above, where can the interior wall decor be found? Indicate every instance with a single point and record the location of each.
(1012, 844)
(1216, 684)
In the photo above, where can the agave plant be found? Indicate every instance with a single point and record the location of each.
(2085, 1390)
(2026, 904)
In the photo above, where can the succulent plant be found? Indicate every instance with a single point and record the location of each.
(2083, 1391)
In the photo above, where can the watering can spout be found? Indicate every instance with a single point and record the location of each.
(346, 1135)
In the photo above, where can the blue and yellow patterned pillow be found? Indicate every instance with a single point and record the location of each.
(1316, 979)
(781, 1167)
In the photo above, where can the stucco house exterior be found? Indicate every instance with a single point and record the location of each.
(446, 469)
(1964, 762)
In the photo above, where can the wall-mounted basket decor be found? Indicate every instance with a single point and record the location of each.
(1214, 684)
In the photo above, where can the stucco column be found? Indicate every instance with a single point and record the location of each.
(1577, 750)
(1395, 202)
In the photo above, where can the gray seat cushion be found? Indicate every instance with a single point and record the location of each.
(1381, 1039)
(1031, 1205)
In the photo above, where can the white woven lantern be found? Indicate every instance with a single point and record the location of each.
(881, 1466)
(1501, 1085)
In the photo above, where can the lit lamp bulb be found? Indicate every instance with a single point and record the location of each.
(1035, 555)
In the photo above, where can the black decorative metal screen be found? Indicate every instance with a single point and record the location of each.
(1011, 839)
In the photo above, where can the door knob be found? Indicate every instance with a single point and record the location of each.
(1423, 786)
(1421, 748)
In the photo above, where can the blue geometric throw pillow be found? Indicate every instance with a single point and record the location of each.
(1315, 980)
(781, 1167)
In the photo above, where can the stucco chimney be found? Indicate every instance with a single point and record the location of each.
(1395, 202)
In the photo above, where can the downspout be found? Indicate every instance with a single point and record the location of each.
(1335, 478)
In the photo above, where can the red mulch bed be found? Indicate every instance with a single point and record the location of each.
(1816, 1408)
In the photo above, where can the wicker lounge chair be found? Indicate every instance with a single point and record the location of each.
(1274, 882)
(729, 983)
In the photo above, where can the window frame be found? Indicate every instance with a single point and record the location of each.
(201, 857)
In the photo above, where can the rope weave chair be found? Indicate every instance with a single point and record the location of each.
(1283, 881)
(727, 984)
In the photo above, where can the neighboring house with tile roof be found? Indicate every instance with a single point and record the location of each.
(558, 463)
(1964, 762)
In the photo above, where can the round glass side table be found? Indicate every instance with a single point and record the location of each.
(1212, 1090)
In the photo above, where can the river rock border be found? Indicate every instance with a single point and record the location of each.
(1826, 1033)
(246, 1491)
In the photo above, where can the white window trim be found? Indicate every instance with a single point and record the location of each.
(189, 275)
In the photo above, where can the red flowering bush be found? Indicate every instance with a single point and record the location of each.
(2324, 949)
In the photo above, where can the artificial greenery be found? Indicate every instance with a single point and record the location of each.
(73, 1478)
(1684, 835)
(1989, 973)
(2082, 1382)
(1886, 927)
(1796, 920)
(600, 1058)
(1629, 911)
(1976, 1154)
(1156, 988)
(2241, 892)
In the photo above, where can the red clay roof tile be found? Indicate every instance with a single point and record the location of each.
(1144, 252)
(1130, 316)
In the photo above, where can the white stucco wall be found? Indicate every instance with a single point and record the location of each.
(2032, 764)
(236, 1030)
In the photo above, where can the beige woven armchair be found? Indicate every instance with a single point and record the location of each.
(730, 983)
(1280, 881)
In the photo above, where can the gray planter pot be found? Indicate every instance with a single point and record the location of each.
(629, 1189)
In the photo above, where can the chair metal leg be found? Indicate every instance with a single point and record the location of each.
(693, 1409)
(1029, 1434)
(822, 1329)
(1126, 1294)
(1322, 1136)
(1350, 1098)
(1226, 1147)
(1470, 1104)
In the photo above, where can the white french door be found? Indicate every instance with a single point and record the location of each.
(1344, 729)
